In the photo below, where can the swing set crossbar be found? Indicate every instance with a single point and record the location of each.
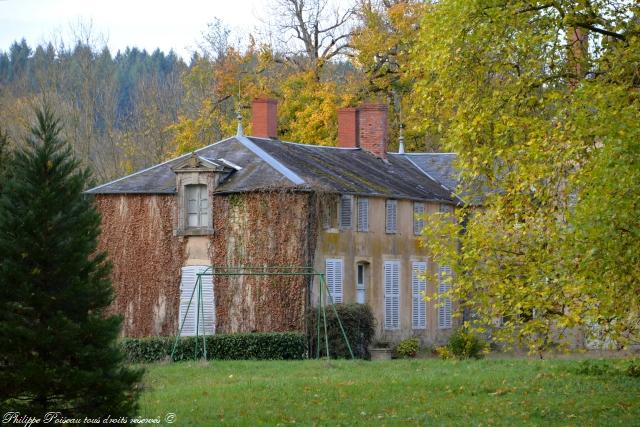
(263, 271)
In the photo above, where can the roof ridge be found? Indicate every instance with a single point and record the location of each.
(427, 154)
(305, 145)
(270, 160)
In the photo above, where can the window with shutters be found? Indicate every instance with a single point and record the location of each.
(445, 306)
(391, 217)
(418, 218)
(196, 318)
(346, 212)
(418, 289)
(391, 295)
(446, 209)
(333, 274)
(361, 278)
(197, 206)
(363, 214)
(329, 212)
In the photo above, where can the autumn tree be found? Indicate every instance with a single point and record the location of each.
(223, 78)
(540, 101)
(382, 41)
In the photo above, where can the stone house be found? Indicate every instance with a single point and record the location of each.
(353, 212)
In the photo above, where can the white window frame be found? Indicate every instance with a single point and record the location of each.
(391, 216)
(199, 208)
(334, 277)
(363, 214)
(188, 282)
(418, 290)
(346, 212)
(361, 279)
(445, 305)
(391, 282)
(418, 217)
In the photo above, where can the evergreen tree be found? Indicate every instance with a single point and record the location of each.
(4, 157)
(59, 350)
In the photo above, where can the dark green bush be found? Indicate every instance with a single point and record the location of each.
(260, 346)
(358, 323)
(464, 344)
(408, 348)
(633, 370)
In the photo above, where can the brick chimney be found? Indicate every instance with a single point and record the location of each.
(348, 128)
(372, 129)
(264, 118)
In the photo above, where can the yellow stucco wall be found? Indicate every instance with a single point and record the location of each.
(375, 247)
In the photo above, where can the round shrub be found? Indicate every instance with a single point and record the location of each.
(463, 344)
(633, 370)
(408, 348)
(358, 323)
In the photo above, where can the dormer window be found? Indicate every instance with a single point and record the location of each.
(197, 178)
(197, 205)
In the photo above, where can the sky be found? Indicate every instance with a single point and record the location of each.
(147, 24)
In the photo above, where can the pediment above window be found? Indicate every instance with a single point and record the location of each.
(196, 163)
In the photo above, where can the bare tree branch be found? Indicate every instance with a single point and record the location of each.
(322, 31)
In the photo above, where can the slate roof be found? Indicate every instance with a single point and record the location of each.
(268, 163)
(438, 165)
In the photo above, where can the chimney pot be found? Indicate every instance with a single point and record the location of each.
(264, 118)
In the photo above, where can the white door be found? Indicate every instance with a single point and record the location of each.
(189, 312)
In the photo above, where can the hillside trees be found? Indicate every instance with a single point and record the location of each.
(541, 102)
(105, 101)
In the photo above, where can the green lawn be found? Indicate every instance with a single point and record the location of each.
(399, 392)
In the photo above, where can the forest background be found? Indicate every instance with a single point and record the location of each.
(131, 109)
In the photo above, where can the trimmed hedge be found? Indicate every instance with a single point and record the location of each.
(359, 325)
(258, 346)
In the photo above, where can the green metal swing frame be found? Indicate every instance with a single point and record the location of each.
(262, 271)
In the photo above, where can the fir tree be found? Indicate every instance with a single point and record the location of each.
(59, 349)
(4, 157)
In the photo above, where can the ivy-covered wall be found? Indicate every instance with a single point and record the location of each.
(137, 233)
(271, 228)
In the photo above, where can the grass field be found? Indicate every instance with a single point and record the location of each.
(399, 392)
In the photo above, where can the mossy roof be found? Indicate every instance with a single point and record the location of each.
(273, 164)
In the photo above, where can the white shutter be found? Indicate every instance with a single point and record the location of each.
(187, 285)
(334, 279)
(418, 288)
(346, 207)
(391, 216)
(444, 311)
(391, 295)
(363, 214)
(418, 218)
